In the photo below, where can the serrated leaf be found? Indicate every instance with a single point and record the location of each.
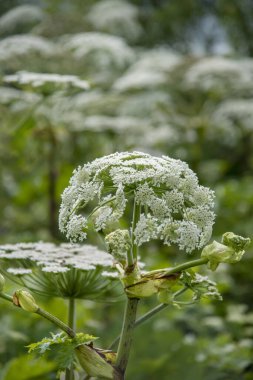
(60, 347)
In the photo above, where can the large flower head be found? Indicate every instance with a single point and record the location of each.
(172, 205)
(65, 270)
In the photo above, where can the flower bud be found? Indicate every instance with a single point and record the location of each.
(2, 282)
(218, 253)
(118, 244)
(238, 243)
(25, 300)
(96, 364)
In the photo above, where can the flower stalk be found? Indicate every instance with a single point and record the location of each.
(69, 374)
(43, 313)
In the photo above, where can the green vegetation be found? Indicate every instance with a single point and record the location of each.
(82, 80)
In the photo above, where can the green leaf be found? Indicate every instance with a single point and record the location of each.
(60, 347)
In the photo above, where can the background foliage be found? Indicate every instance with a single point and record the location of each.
(166, 78)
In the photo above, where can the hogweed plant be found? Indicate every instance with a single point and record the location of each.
(165, 202)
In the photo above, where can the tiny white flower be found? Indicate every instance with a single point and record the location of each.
(146, 229)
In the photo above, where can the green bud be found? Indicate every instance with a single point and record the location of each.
(95, 362)
(230, 253)
(238, 243)
(118, 243)
(2, 282)
(25, 300)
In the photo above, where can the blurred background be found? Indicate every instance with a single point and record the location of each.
(166, 77)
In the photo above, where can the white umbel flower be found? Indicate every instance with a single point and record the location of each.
(65, 270)
(174, 207)
(115, 17)
(103, 50)
(20, 18)
(25, 44)
(25, 79)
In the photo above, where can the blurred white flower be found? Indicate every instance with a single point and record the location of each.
(99, 49)
(232, 120)
(21, 18)
(220, 73)
(10, 95)
(25, 44)
(151, 70)
(42, 81)
(115, 17)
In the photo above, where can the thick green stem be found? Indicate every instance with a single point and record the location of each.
(150, 314)
(181, 267)
(6, 297)
(126, 335)
(72, 314)
(69, 374)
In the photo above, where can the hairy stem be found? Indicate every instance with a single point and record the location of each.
(126, 335)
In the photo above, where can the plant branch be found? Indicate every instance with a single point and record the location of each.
(69, 373)
(56, 321)
(6, 297)
(43, 313)
(180, 267)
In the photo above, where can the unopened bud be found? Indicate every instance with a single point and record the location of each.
(2, 282)
(118, 243)
(25, 300)
(230, 251)
(238, 243)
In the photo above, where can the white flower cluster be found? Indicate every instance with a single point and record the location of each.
(103, 50)
(174, 207)
(9, 95)
(23, 16)
(115, 17)
(53, 258)
(233, 119)
(201, 286)
(65, 270)
(40, 80)
(149, 71)
(25, 44)
(220, 73)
